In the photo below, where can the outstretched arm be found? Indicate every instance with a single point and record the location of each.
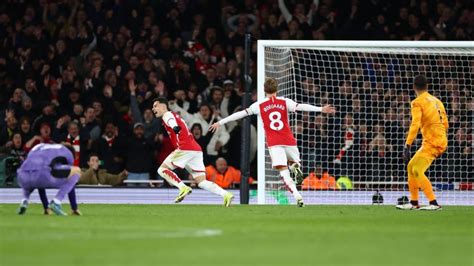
(327, 109)
(293, 107)
(233, 117)
(308, 108)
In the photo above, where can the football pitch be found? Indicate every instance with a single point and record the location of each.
(240, 235)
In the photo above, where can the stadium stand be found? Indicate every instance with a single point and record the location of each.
(99, 64)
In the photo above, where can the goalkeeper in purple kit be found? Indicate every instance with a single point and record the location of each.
(49, 166)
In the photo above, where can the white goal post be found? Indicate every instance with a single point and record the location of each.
(375, 78)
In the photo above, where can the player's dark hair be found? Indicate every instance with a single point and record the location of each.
(162, 100)
(420, 82)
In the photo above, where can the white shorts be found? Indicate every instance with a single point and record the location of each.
(192, 161)
(282, 154)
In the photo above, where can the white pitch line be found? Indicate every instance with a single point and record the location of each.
(121, 235)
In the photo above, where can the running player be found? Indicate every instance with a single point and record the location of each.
(49, 166)
(188, 155)
(427, 113)
(280, 140)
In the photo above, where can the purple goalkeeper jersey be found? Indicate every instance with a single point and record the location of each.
(47, 166)
(41, 156)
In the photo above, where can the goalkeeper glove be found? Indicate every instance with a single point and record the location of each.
(406, 153)
(176, 129)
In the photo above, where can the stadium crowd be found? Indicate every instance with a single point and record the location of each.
(85, 72)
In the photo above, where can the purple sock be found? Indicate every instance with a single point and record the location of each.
(43, 197)
(72, 199)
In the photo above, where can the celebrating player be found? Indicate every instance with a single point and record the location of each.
(188, 155)
(280, 140)
(427, 113)
(49, 166)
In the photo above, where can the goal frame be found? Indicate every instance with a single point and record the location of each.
(261, 44)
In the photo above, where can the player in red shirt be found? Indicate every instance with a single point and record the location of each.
(188, 155)
(280, 140)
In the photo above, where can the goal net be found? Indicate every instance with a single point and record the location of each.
(355, 156)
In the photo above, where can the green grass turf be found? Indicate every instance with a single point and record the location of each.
(240, 235)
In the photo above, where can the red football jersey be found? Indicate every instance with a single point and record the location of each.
(274, 114)
(184, 140)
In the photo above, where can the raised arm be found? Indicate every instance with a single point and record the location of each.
(284, 11)
(314, 7)
(136, 113)
(188, 118)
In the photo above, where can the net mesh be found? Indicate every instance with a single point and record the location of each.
(361, 146)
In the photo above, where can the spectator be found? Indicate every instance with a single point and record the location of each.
(223, 175)
(14, 147)
(13, 154)
(108, 148)
(78, 138)
(348, 137)
(77, 112)
(31, 89)
(90, 123)
(95, 176)
(26, 108)
(181, 100)
(217, 142)
(210, 82)
(6, 133)
(216, 97)
(150, 123)
(319, 179)
(138, 154)
(43, 137)
(379, 151)
(47, 116)
(203, 141)
(25, 128)
(15, 100)
(379, 145)
(231, 100)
